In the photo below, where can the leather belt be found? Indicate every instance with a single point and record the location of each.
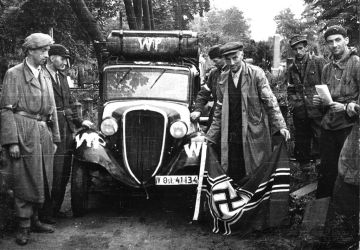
(31, 116)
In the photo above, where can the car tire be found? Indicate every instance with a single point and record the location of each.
(79, 188)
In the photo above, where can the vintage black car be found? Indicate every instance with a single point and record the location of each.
(146, 139)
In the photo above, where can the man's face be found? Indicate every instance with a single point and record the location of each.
(39, 56)
(234, 60)
(299, 50)
(219, 62)
(337, 44)
(59, 62)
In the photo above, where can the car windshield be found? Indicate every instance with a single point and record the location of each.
(157, 83)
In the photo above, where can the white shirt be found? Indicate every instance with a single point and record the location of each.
(35, 71)
(236, 76)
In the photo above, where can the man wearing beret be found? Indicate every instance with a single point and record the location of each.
(29, 131)
(244, 109)
(68, 120)
(303, 74)
(208, 90)
(342, 76)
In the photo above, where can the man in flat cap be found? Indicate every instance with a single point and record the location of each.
(68, 121)
(29, 131)
(244, 109)
(208, 90)
(303, 74)
(342, 76)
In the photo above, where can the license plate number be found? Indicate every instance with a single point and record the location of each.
(163, 180)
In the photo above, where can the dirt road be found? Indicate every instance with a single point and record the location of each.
(141, 225)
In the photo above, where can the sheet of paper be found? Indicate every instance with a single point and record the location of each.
(324, 93)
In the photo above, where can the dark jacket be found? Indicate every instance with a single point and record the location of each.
(208, 90)
(301, 91)
(65, 102)
(208, 93)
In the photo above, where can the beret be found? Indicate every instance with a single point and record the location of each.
(59, 50)
(214, 52)
(297, 39)
(335, 30)
(231, 47)
(37, 41)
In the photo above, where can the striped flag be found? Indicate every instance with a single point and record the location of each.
(258, 202)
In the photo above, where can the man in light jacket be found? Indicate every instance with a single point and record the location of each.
(244, 109)
(29, 131)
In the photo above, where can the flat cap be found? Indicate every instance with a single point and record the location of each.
(59, 50)
(231, 47)
(214, 52)
(298, 39)
(335, 30)
(37, 41)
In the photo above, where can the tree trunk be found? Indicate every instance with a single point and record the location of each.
(358, 9)
(152, 24)
(86, 19)
(138, 12)
(178, 14)
(146, 11)
(89, 23)
(130, 14)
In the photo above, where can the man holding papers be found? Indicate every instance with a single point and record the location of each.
(342, 77)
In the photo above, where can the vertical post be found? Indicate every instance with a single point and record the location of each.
(277, 55)
(200, 181)
(78, 107)
(120, 20)
(51, 32)
(88, 109)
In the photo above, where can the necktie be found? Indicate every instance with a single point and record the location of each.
(57, 78)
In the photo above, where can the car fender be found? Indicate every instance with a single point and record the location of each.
(90, 146)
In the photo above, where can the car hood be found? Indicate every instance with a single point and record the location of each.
(174, 111)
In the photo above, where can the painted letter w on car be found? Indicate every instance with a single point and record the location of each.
(194, 148)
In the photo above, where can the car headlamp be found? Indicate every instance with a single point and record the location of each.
(109, 126)
(178, 129)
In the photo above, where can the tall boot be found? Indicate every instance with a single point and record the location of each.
(23, 231)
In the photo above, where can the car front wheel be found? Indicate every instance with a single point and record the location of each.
(79, 188)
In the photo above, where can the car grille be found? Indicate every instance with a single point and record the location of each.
(144, 132)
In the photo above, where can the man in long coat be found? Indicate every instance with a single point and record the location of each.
(29, 131)
(241, 119)
(304, 73)
(68, 121)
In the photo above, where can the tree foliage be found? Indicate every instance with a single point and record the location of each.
(343, 12)
(26, 17)
(76, 23)
(221, 26)
(288, 25)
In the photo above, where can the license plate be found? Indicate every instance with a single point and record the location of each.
(176, 180)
